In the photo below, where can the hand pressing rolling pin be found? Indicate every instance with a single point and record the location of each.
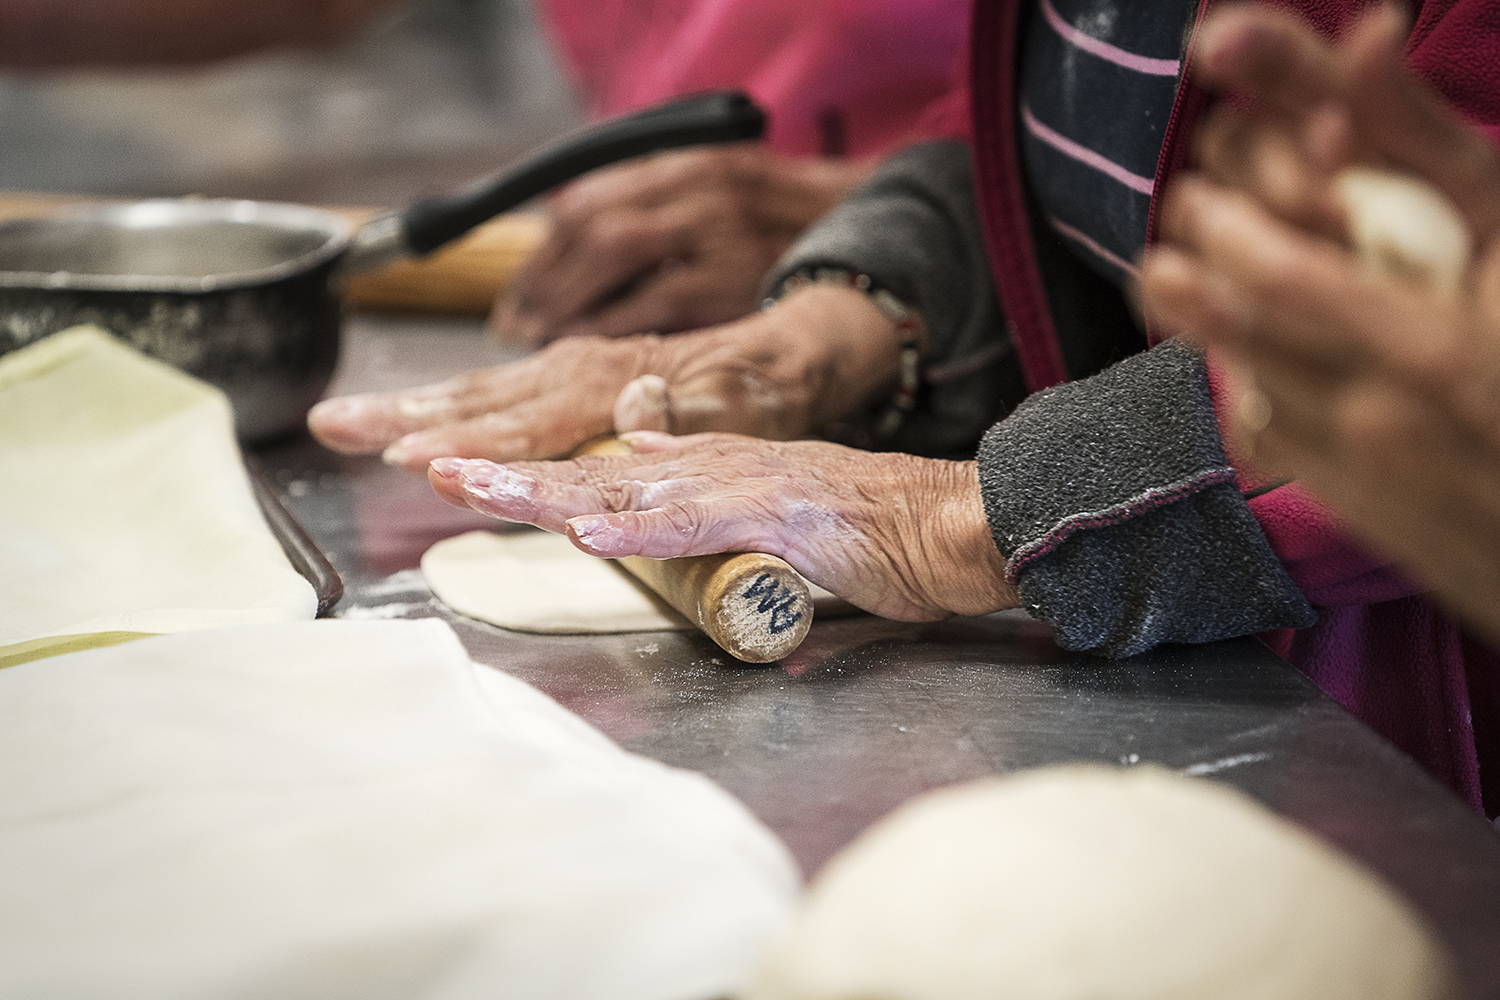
(899, 536)
(1339, 254)
(755, 606)
(764, 375)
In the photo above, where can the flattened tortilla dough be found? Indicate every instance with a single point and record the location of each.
(536, 581)
(124, 505)
(1087, 883)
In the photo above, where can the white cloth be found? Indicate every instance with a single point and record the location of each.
(124, 506)
(353, 809)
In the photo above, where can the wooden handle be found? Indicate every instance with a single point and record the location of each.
(755, 606)
(460, 279)
(26, 205)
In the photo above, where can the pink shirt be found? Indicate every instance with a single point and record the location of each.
(838, 77)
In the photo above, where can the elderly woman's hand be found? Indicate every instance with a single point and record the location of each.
(823, 354)
(676, 241)
(1380, 394)
(900, 536)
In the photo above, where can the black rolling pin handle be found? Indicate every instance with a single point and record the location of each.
(713, 117)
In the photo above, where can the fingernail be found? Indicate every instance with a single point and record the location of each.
(448, 468)
(337, 404)
(653, 390)
(593, 531)
(643, 405)
(397, 454)
(338, 409)
(638, 440)
(476, 473)
(423, 406)
(494, 482)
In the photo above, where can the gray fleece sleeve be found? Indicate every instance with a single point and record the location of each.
(1120, 519)
(914, 229)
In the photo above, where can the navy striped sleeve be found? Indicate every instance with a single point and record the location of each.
(1098, 79)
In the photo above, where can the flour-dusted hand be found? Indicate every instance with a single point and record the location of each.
(670, 242)
(900, 536)
(540, 407)
(820, 356)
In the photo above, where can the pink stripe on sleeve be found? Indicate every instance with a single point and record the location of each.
(1084, 155)
(1104, 50)
(1095, 246)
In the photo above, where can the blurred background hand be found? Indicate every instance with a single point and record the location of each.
(675, 241)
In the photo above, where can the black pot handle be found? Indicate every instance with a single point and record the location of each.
(712, 117)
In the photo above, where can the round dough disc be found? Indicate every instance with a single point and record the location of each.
(535, 581)
(1082, 883)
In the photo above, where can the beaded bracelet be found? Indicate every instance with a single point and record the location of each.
(908, 328)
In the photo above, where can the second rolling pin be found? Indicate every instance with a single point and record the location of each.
(755, 606)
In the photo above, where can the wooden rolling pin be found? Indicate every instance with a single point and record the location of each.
(462, 278)
(755, 606)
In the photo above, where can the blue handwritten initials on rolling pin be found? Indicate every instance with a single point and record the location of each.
(776, 601)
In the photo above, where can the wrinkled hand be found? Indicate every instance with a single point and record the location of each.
(675, 241)
(900, 536)
(1383, 396)
(821, 355)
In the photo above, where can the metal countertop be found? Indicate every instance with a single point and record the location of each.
(868, 713)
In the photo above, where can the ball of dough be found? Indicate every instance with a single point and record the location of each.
(1403, 227)
(1082, 883)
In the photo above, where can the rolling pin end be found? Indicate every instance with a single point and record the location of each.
(762, 612)
(755, 606)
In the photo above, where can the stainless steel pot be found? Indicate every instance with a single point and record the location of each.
(244, 294)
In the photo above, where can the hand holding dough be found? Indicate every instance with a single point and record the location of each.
(1378, 395)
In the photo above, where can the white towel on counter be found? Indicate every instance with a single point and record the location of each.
(124, 506)
(339, 809)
